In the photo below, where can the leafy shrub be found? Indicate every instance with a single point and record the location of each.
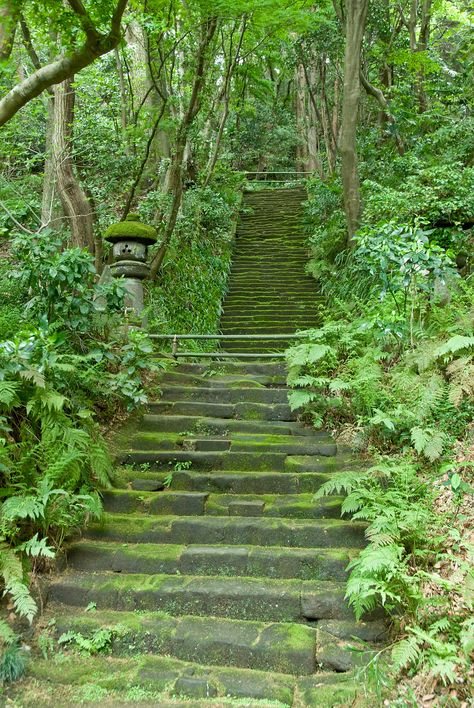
(405, 543)
(187, 296)
(437, 194)
(62, 282)
(54, 380)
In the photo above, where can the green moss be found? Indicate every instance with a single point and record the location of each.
(131, 230)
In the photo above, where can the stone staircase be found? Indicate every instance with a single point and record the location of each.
(269, 291)
(214, 574)
(214, 570)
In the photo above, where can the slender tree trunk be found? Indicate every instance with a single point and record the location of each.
(356, 14)
(123, 100)
(74, 201)
(302, 146)
(49, 173)
(9, 14)
(175, 181)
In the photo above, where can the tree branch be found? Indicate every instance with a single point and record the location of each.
(63, 68)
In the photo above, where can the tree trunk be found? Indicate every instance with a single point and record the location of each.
(9, 14)
(175, 181)
(49, 174)
(302, 145)
(74, 201)
(356, 14)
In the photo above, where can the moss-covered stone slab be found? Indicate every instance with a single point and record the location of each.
(164, 502)
(237, 598)
(249, 561)
(303, 533)
(225, 394)
(159, 675)
(235, 481)
(226, 427)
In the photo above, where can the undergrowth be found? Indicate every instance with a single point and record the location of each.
(391, 373)
(68, 367)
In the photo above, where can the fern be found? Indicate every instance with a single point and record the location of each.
(298, 399)
(455, 345)
(11, 570)
(22, 507)
(8, 393)
(461, 380)
(406, 652)
(428, 442)
(37, 547)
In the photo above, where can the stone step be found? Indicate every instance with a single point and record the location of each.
(244, 368)
(265, 600)
(167, 502)
(248, 327)
(232, 530)
(238, 442)
(283, 647)
(264, 346)
(287, 311)
(242, 411)
(235, 482)
(218, 380)
(288, 648)
(225, 394)
(250, 460)
(264, 285)
(242, 560)
(280, 301)
(162, 680)
(222, 426)
(269, 315)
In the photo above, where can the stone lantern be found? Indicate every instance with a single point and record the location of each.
(130, 239)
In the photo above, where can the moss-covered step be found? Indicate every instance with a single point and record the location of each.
(301, 315)
(242, 411)
(225, 394)
(241, 560)
(233, 530)
(236, 482)
(283, 647)
(159, 680)
(235, 442)
(221, 380)
(268, 314)
(253, 459)
(210, 427)
(265, 328)
(264, 368)
(265, 600)
(167, 502)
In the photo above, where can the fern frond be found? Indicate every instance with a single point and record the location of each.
(456, 344)
(298, 399)
(8, 393)
(101, 464)
(406, 653)
(37, 547)
(7, 635)
(26, 507)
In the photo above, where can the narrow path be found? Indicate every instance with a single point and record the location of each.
(214, 568)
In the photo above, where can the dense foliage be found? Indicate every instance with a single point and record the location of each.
(390, 372)
(162, 110)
